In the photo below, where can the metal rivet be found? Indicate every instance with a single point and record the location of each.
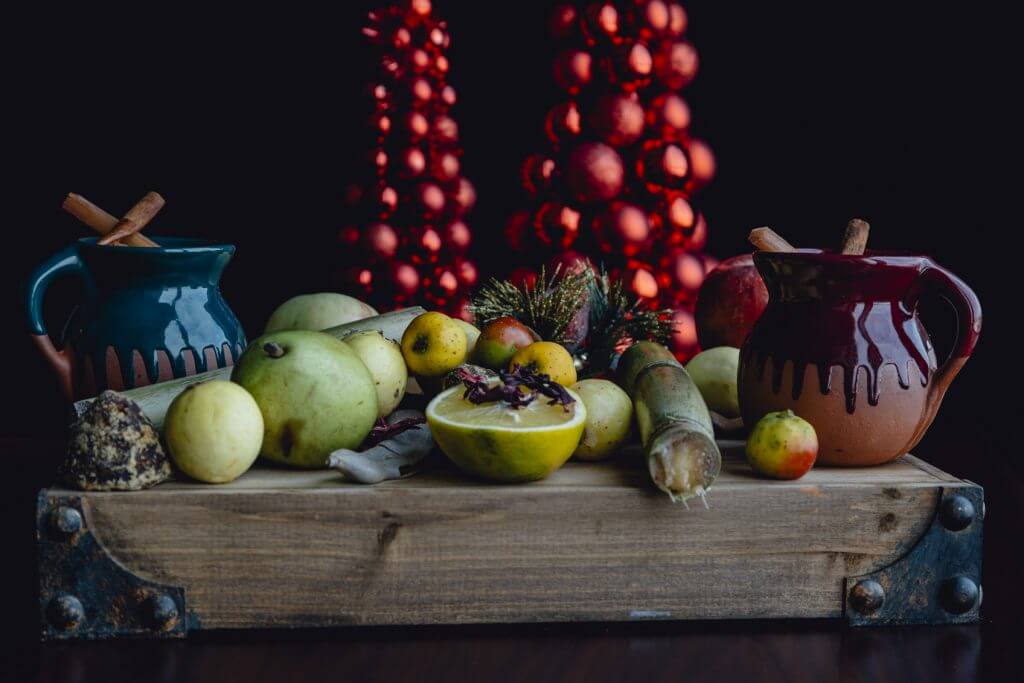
(65, 521)
(959, 594)
(65, 612)
(867, 596)
(161, 611)
(956, 513)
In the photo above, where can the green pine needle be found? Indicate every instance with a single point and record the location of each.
(616, 318)
(547, 306)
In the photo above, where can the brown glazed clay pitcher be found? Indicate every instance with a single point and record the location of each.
(840, 344)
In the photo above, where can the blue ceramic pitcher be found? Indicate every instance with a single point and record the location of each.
(149, 314)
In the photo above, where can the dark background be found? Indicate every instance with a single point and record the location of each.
(250, 123)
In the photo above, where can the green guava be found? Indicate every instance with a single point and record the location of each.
(315, 395)
(318, 312)
(383, 358)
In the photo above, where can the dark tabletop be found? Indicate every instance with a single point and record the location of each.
(670, 651)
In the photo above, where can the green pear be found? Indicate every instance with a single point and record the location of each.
(318, 312)
(315, 395)
(383, 358)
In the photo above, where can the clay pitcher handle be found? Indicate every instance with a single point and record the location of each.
(63, 262)
(938, 280)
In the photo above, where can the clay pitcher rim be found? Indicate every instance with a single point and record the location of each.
(825, 256)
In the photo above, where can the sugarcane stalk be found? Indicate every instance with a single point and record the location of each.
(675, 426)
(154, 399)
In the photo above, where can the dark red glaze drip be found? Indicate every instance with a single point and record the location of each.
(852, 311)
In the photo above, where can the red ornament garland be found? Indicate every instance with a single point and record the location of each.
(408, 241)
(621, 168)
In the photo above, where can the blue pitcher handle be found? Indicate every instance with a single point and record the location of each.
(63, 262)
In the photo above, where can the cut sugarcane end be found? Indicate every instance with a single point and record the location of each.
(684, 465)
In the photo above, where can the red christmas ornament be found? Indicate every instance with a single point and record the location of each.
(630, 165)
(381, 241)
(518, 230)
(445, 167)
(457, 236)
(668, 116)
(412, 249)
(465, 196)
(523, 277)
(414, 162)
(617, 120)
(430, 199)
(595, 172)
(641, 282)
(557, 225)
(676, 65)
(679, 224)
(696, 239)
(563, 21)
(664, 166)
(622, 229)
(537, 173)
(571, 262)
(466, 273)
(573, 70)
(425, 245)
(446, 129)
(403, 279)
(562, 122)
(651, 18)
(684, 334)
(680, 273)
(677, 19)
(702, 160)
(600, 23)
(630, 65)
(416, 125)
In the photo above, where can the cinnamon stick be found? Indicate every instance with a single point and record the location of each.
(766, 239)
(855, 237)
(124, 229)
(99, 220)
(136, 218)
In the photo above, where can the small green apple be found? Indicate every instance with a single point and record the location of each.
(315, 395)
(782, 446)
(499, 341)
(214, 431)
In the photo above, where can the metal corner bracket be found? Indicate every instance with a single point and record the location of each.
(938, 581)
(86, 594)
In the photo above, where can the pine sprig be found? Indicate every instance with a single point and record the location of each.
(616, 319)
(547, 306)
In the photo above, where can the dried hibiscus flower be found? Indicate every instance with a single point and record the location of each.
(510, 388)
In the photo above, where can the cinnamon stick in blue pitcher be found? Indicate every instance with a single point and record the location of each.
(147, 313)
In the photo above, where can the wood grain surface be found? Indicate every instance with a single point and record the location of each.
(591, 542)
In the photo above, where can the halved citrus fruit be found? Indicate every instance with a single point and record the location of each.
(497, 442)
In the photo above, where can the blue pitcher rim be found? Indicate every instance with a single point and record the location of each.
(168, 245)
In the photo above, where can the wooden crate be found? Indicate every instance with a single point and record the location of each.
(594, 542)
